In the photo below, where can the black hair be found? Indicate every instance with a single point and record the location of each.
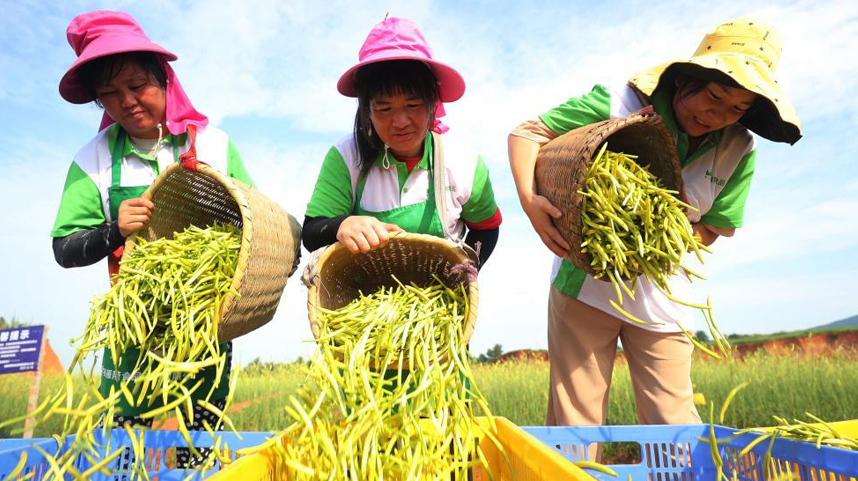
(687, 86)
(688, 80)
(388, 78)
(98, 72)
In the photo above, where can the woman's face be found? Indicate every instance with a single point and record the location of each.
(714, 107)
(134, 100)
(401, 121)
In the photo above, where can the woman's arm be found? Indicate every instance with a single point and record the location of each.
(319, 232)
(359, 233)
(487, 240)
(522, 162)
(728, 209)
(86, 247)
(524, 143)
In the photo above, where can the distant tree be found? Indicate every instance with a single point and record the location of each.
(701, 336)
(254, 366)
(11, 323)
(492, 355)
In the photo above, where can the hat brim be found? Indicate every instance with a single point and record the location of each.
(70, 87)
(451, 85)
(772, 116)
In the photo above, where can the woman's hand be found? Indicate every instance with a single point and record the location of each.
(708, 234)
(541, 212)
(703, 233)
(363, 233)
(133, 215)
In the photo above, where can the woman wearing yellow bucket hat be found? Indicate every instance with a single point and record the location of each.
(709, 102)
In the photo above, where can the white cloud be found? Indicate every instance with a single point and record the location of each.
(274, 59)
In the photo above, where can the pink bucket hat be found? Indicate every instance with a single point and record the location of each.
(101, 33)
(399, 39)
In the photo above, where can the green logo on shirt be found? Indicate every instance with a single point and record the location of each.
(715, 180)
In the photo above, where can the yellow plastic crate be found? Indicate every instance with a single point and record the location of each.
(847, 428)
(530, 460)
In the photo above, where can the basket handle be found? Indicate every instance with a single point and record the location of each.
(189, 159)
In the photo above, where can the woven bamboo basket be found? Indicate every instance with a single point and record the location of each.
(270, 237)
(561, 167)
(340, 276)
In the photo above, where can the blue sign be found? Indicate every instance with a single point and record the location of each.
(19, 349)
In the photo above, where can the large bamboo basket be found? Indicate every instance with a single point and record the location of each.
(340, 276)
(561, 167)
(270, 237)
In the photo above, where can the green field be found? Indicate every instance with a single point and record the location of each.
(780, 385)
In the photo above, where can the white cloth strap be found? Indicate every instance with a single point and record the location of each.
(440, 187)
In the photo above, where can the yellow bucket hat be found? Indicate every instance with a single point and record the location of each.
(744, 53)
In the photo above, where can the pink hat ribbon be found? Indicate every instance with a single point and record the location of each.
(437, 126)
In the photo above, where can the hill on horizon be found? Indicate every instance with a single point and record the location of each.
(848, 322)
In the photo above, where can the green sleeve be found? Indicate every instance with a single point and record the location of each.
(235, 166)
(729, 207)
(589, 108)
(481, 204)
(333, 193)
(80, 207)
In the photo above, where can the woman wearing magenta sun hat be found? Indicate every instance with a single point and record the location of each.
(148, 124)
(398, 170)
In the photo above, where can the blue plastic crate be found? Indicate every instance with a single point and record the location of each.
(674, 453)
(158, 448)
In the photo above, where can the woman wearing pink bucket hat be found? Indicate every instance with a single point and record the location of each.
(398, 170)
(148, 123)
(710, 103)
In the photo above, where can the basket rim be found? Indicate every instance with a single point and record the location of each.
(428, 238)
(473, 286)
(246, 228)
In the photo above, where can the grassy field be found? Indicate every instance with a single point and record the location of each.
(786, 386)
(781, 385)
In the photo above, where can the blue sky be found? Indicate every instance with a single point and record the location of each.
(265, 71)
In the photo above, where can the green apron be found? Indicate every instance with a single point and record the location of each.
(420, 218)
(111, 376)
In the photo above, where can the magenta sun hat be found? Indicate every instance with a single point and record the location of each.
(103, 32)
(99, 34)
(399, 39)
